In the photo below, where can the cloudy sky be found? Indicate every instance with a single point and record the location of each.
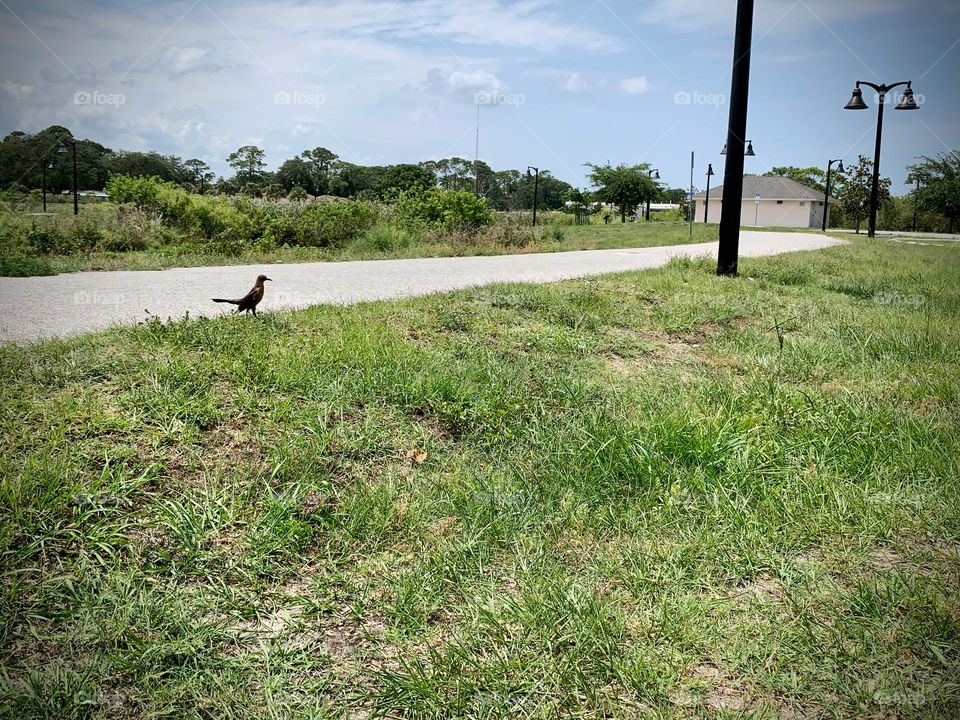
(560, 82)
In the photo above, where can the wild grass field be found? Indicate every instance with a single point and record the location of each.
(655, 494)
(151, 225)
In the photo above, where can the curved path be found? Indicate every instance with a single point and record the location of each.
(61, 305)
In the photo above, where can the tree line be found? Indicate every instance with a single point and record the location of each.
(317, 171)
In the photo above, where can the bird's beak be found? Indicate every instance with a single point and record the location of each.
(270, 279)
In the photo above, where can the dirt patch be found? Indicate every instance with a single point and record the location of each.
(764, 588)
(708, 686)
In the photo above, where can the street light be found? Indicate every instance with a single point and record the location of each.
(655, 174)
(706, 202)
(47, 165)
(826, 194)
(536, 182)
(748, 153)
(856, 103)
(736, 130)
(63, 149)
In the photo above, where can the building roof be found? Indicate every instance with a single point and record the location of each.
(772, 187)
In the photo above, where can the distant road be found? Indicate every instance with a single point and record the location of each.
(72, 303)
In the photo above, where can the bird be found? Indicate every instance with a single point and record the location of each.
(249, 302)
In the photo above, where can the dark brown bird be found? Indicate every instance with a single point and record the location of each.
(249, 302)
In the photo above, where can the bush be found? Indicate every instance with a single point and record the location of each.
(134, 229)
(87, 236)
(17, 258)
(384, 238)
(333, 224)
(444, 209)
(46, 238)
(513, 230)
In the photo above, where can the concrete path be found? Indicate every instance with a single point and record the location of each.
(45, 307)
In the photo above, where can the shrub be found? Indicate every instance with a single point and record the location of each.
(17, 258)
(134, 229)
(297, 194)
(333, 224)
(142, 192)
(384, 238)
(46, 238)
(440, 208)
(510, 231)
(86, 236)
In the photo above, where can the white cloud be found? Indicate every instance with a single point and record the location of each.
(575, 83)
(461, 84)
(18, 91)
(635, 85)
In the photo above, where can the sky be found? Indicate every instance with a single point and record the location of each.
(558, 83)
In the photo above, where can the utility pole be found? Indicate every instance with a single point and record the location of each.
(690, 197)
(736, 130)
(476, 156)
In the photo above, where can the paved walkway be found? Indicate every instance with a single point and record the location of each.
(904, 234)
(45, 307)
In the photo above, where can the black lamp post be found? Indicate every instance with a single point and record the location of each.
(536, 184)
(857, 103)
(47, 165)
(826, 193)
(706, 201)
(73, 144)
(749, 151)
(655, 174)
(736, 130)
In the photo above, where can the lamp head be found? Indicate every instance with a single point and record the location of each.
(840, 167)
(724, 151)
(655, 175)
(856, 100)
(750, 152)
(710, 172)
(908, 103)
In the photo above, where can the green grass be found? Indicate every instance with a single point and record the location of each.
(383, 241)
(657, 494)
(585, 237)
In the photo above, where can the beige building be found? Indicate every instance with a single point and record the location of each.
(768, 202)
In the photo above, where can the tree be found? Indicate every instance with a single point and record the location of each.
(248, 164)
(198, 173)
(454, 173)
(853, 195)
(939, 185)
(297, 172)
(145, 164)
(320, 161)
(812, 177)
(396, 178)
(22, 157)
(625, 186)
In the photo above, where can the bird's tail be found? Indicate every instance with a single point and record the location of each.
(222, 300)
